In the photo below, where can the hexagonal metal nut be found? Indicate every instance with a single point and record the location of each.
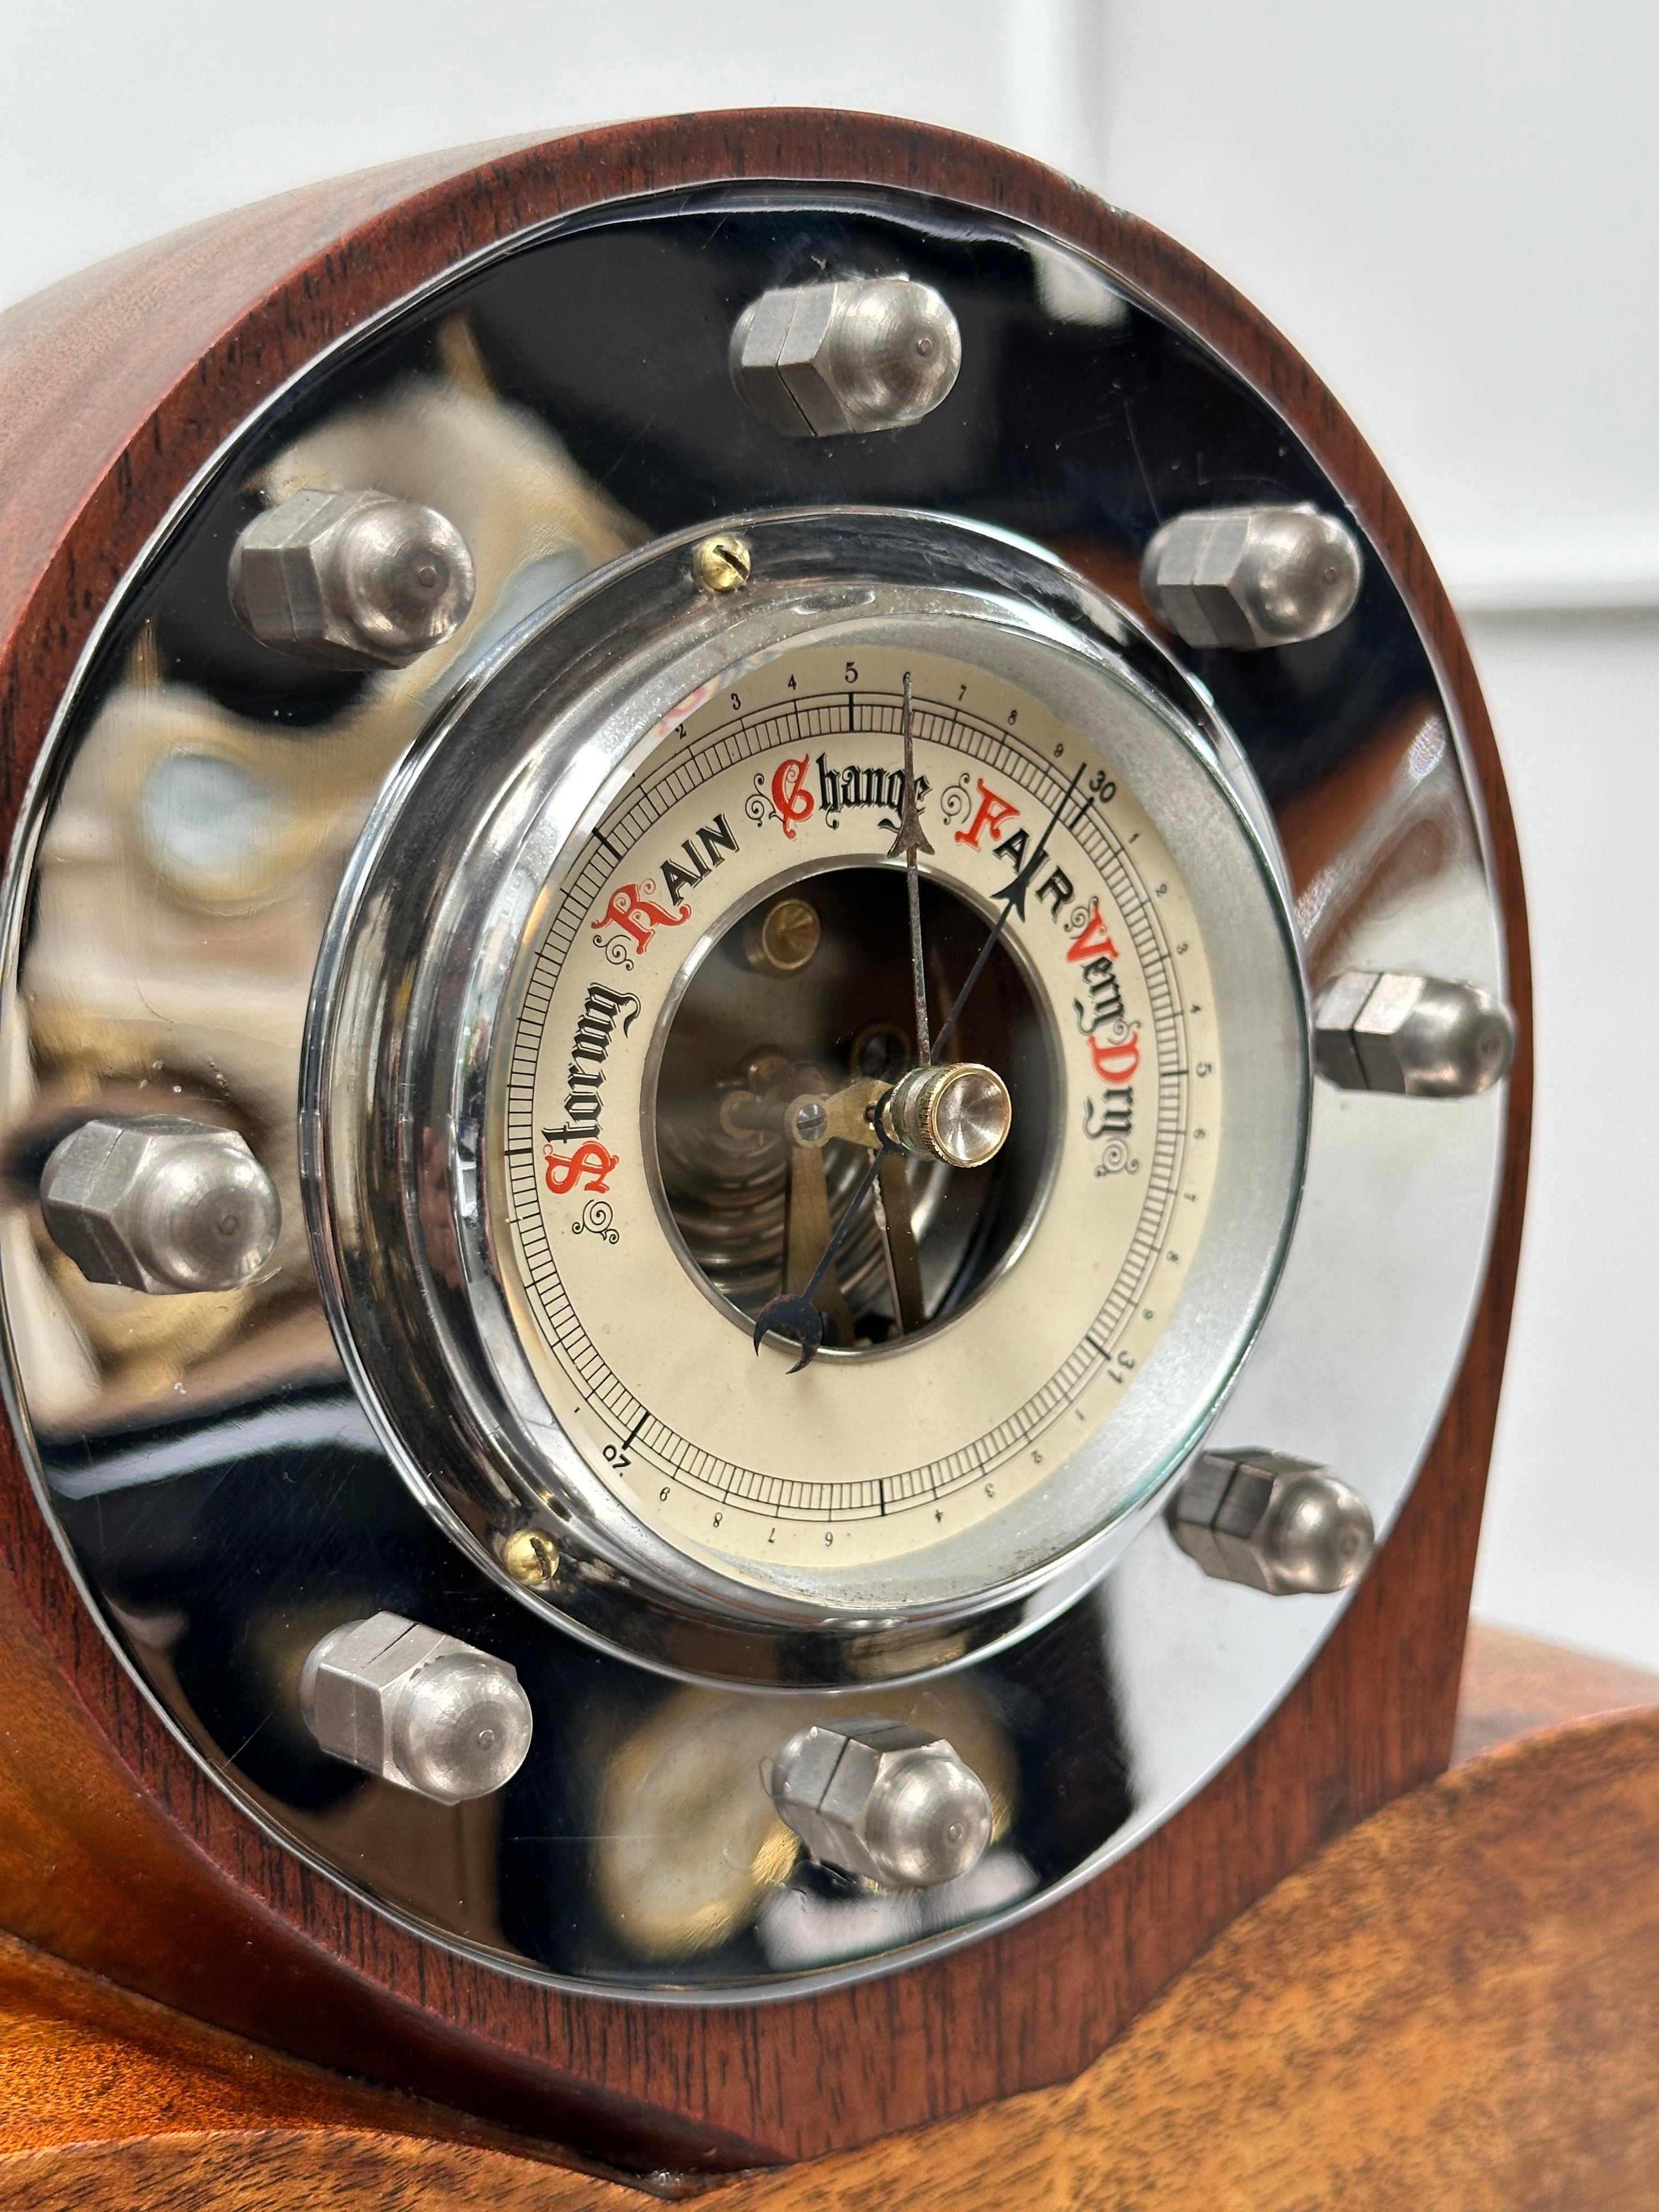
(863, 353)
(159, 1204)
(882, 1802)
(417, 1708)
(1414, 1036)
(1248, 577)
(1283, 1525)
(351, 579)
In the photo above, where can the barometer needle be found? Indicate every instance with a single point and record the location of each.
(912, 840)
(1013, 895)
(796, 1312)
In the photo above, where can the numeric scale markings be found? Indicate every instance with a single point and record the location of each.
(753, 734)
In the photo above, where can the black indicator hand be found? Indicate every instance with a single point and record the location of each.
(796, 1312)
(912, 840)
(1013, 896)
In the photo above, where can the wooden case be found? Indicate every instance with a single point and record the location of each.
(115, 1852)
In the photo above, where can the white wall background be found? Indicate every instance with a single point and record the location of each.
(1452, 206)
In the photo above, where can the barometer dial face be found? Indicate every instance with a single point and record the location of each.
(821, 1199)
(729, 936)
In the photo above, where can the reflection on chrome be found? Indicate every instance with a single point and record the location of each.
(183, 883)
(217, 1478)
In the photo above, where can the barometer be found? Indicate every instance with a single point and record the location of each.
(762, 1081)
(867, 1035)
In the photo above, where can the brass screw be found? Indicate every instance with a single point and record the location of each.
(722, 564)
(782, 941)
(530, 1558)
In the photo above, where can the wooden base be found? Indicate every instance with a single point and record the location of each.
(1457, 2005)
(1513, 1686)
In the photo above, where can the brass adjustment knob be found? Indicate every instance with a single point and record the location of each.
(960, 1113)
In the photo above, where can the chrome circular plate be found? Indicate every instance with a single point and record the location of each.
(228, 1492)
(502, 834)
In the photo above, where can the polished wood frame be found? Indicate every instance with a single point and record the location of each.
(115, 1850)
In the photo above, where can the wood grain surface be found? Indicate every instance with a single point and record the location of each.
(1513, 1684)
(1454, 2006)
(115, 1849)
(83, 2062)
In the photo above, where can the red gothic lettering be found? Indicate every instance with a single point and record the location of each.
(565, 1171)
(992, 814)
(1116, 1063)
(640, 916)
(1091, 939)
(793, 802)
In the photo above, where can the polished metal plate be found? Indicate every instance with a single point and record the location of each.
(218, 1486)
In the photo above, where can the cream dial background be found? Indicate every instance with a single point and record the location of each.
(856, 1459)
